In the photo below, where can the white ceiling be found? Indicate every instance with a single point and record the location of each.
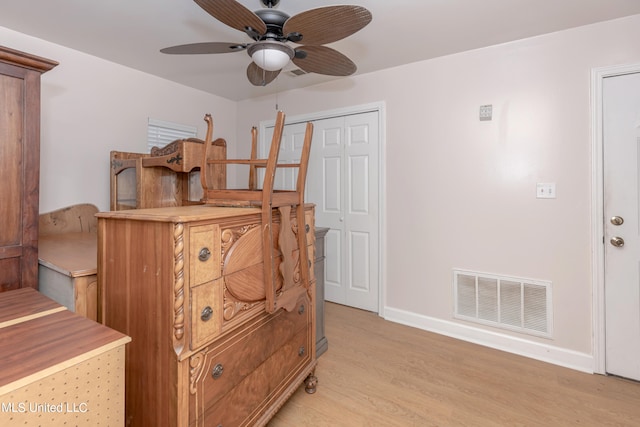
(131, 33)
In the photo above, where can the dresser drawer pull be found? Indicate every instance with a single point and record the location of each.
(206, 313)
(204, 254)
(301, 351)
(307, 228)
(301, 309)
(217, 371)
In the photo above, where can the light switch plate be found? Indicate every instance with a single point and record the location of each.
(546, 190)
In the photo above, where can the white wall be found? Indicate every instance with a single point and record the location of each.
(460, 193)
(91, 106)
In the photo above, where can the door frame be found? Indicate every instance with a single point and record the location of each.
(597, 209)
(380, 108)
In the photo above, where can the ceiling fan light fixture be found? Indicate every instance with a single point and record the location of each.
(270, 55)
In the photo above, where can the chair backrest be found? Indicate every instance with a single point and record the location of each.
(303, 165)
(254, 196)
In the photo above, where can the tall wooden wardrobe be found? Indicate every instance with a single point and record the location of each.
(19, 166)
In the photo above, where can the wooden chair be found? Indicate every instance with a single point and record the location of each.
(268, 198)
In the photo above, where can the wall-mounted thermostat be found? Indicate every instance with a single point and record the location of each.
(486, 112)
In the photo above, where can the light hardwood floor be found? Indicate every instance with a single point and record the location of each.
(378, 373)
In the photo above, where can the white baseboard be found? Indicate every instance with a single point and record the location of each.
(523, 347)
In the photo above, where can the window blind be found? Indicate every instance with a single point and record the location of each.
(161, 133)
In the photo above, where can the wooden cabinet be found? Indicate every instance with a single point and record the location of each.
(321, 340)
(166, 177)
(58, 368)
(187, 284)
(19, 166)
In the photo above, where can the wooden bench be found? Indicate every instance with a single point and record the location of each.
(67, 258)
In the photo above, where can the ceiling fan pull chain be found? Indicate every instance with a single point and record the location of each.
(277, 90)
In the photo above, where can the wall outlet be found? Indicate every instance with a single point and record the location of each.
(546, 190)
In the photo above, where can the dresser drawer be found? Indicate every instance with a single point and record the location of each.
(248, 400)
(206, 312)
(204, 250)
(228, 364)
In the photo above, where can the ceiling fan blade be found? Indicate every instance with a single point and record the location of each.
(259, 77)
(233, 14)
(204, 48)
(327, 24)
(324, 60)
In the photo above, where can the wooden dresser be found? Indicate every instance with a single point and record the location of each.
(322, 344)
(58, 368)
(19, 166)
(186, 283)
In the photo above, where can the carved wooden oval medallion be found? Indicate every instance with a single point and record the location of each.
(243, 267)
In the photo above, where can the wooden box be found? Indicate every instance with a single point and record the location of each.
(59, 368)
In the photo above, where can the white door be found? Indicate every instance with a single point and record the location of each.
(621, 152)
(342, 181)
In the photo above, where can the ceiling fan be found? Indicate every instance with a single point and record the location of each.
(271, 31)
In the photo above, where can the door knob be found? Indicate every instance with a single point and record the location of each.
(617, 241)
(617, 220)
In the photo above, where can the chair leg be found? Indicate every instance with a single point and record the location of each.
(305, 264)
(268, 260)
(253, 173)
(287, 243)
(291, 292)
